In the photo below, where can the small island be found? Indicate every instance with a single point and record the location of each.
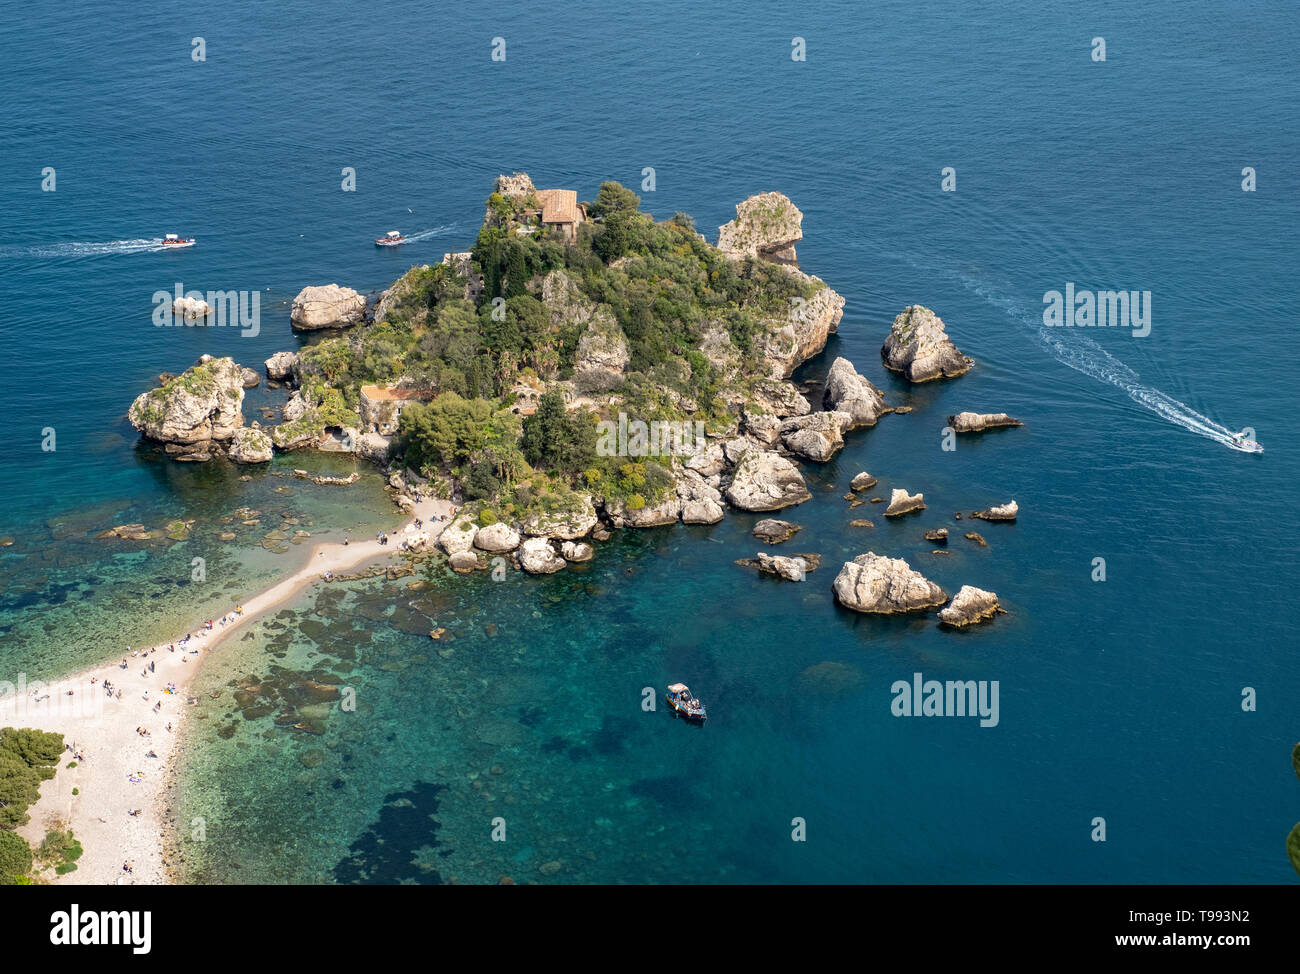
(583, 368)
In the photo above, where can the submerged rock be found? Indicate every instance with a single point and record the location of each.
(901, 502)
(976, 422)
(876, 584)
(919, 347)
(968, 606)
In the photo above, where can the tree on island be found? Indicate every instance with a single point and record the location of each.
(15, 858)
(556, 440)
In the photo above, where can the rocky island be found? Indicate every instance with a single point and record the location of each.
(491, 375)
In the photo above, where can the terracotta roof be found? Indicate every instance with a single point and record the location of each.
(559, 205)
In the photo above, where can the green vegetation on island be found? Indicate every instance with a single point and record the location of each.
(544, 331)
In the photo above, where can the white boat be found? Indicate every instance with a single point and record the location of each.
(390, 239)
(171, 240)
(1241, 442)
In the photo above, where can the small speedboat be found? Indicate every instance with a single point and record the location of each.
(1246, 445)
(685, 705)
(171, 240)
(391, 239)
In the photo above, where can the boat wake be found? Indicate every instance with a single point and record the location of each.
(432, 232)
(1074, 349)
(82, 249)
(1086, 356)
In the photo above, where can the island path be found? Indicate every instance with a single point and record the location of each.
(114, 773)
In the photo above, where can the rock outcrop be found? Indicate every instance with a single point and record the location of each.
(568, 523)
(968, 606)
(664, 511)
(537, 557)
(458, 535)
(767, 226)
(901, 502)
(817, 436)
(775, 531)
(196, 409)
(251, 380)
(919, 347)
(463, 562)
(701, 501)
(281, 366)
(576, 551)
(802, 333)
(863, 481)
(326, 306)
(602, 356)
(793, 568)
(603, 352)
(976, 422)
(250, 446)
(1001, 512)
(876, 584)
(765, 481)
(496, 538)
(848, 392)
(191, 308)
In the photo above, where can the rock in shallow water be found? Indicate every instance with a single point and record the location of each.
(976, 422)
(876, 584)
(774, 531)
(968, 606)
(901, 502)
(1003, 512)
(919, 347)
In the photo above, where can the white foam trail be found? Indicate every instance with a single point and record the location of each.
(84, 249)
(426, 234)
(1074, 349)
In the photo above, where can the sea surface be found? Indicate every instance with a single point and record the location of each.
(1119, 699)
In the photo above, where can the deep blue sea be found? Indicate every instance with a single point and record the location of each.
(1119, 699)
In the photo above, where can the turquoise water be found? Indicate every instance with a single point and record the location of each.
(1119, 699)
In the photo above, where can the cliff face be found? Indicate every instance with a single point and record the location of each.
(796, 338)
(766, 228)
(193, 410)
